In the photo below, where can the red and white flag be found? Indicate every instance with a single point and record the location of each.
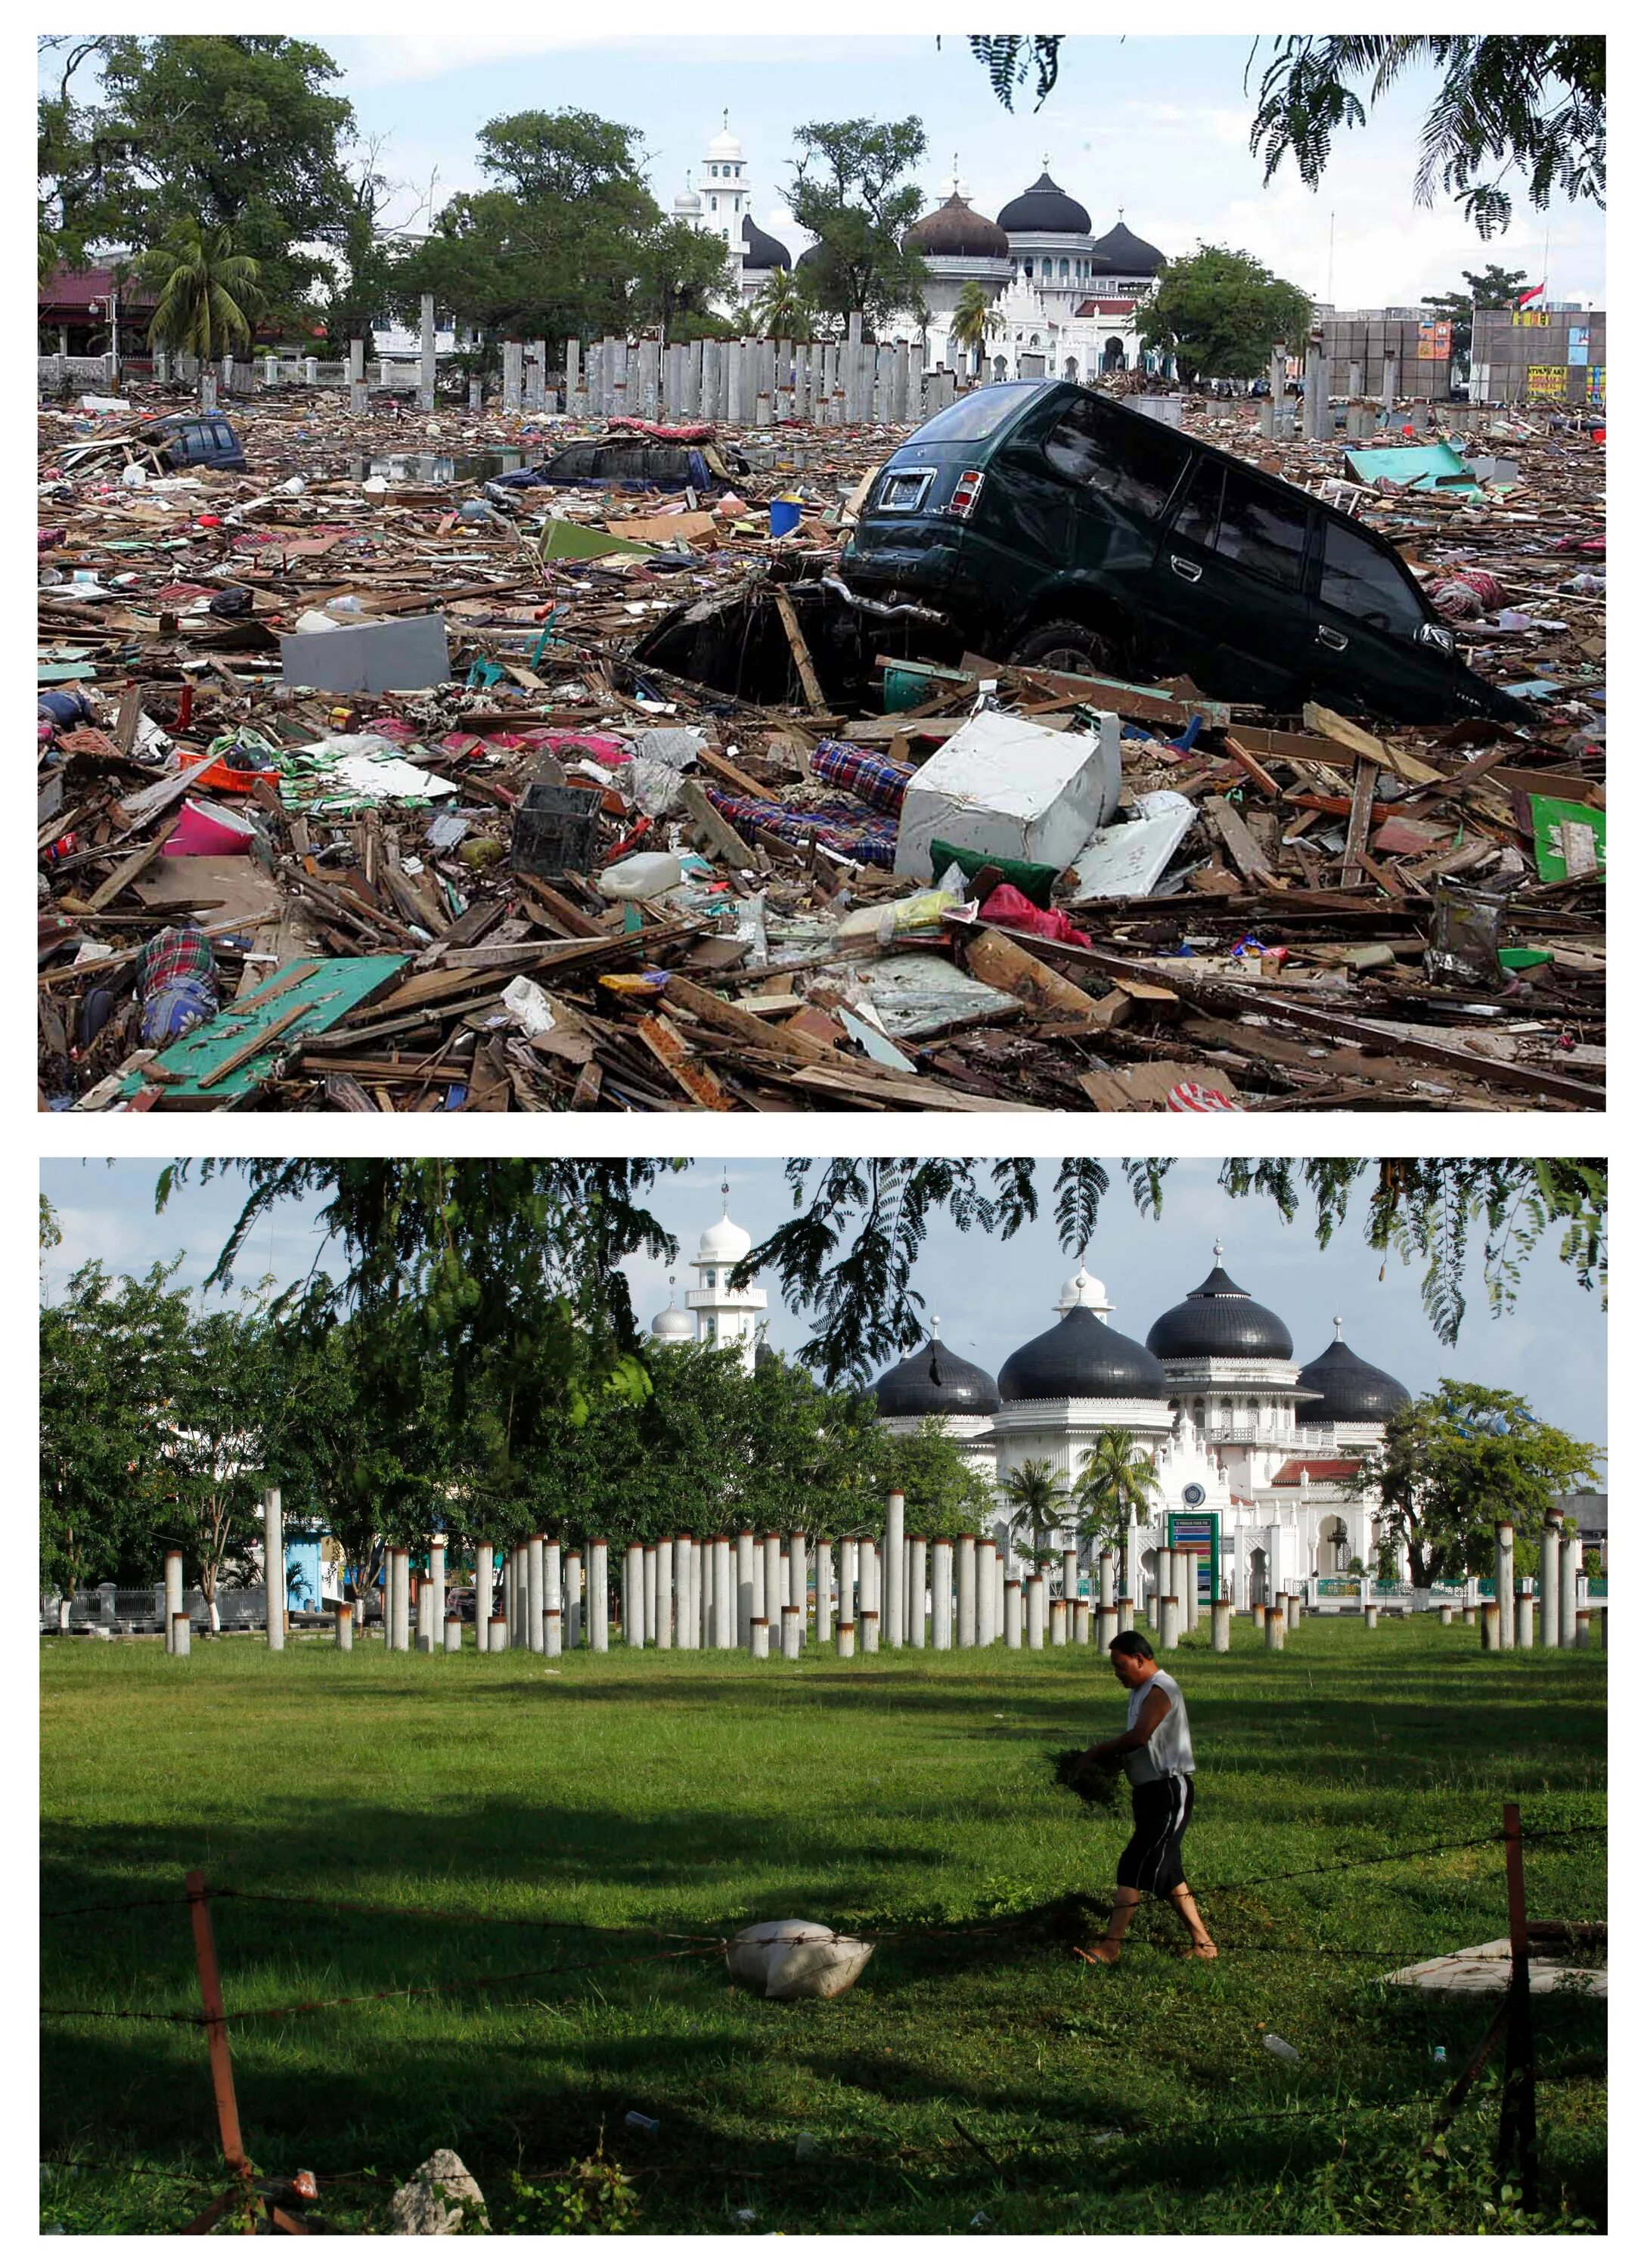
(1534, 293)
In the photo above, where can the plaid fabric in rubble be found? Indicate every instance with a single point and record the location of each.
(869, 841)
(876, 781)
(175, 955)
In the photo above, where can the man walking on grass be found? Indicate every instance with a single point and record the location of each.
(1158, 1758)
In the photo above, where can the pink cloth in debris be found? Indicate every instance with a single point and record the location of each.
(1006, 903)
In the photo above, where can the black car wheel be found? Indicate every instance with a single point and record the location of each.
(1071, 648)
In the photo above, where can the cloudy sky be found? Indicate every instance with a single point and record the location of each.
(991, 1296)
(1159, 126)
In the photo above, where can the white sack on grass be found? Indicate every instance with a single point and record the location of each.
(796, 1959)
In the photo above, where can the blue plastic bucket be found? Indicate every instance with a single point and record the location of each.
(785, 516)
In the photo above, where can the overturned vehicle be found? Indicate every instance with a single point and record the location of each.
(1045, 524)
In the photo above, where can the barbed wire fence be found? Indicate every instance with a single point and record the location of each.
(1511, 2022)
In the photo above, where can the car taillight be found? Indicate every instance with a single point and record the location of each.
(966, 489)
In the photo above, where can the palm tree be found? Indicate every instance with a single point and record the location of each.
(1034, 1491)
(208, 291)
(783, 309)
(1116, 1483)
(975, 319)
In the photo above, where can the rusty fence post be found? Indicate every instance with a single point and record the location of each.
(216, 2023)
(1516, 2139)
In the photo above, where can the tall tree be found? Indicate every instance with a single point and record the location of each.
(208, 293)
(944, 1495)
(1035, 1493)
(975, 321)
(1491, 289)
(1456, 1460)
(214, 1436)
(783, 309)
(678, 272)
(1116, 1488)
(1219, 312)
(850, 194)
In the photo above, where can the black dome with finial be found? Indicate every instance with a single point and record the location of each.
(1081, 1360)
(1127, 253)
(935, 1382)
(1045, 210)
(953, 232)
(1220, 1318)
(1350, 1391)
(760, 250)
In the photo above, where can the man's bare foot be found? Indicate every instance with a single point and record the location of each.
(1104, 1951)
(1204, 1952)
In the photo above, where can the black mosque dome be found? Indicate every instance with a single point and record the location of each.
(935, 1382)
(953, 232)
(1045, 210)
(1080, 1358)
(1220, 1318)
(1351, 1390)
(760, 250)
(1127, 253)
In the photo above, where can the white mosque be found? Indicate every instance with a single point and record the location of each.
(1065, 299)
(1256, 1458)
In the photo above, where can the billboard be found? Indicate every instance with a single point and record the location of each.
(1547, 382)
(1201, 1532)
(1531, 319)
(1434, 342)
(1596, 386)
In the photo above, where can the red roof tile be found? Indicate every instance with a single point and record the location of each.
(1317, 1469)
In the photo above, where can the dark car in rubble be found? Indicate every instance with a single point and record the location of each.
(634, 462)
(1051, 524)
(177, 443)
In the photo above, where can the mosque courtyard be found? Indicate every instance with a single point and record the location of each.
(583, 1834)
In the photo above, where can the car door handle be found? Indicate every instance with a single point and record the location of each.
(1185, 569)
(1333, 639)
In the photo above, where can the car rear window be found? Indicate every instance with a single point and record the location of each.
(1244, 521)
(978, 414)
(1363, 581)
(1134, 461)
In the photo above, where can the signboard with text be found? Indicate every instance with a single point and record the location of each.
(1434, 342)
(1200, 1532)
(1596, 386)
(1547, 382)
(1531, 319)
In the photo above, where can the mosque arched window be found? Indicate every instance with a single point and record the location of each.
(1062, 271)
(708, 1278)
(1026, 269)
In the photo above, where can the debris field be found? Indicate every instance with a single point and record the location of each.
(379, 775)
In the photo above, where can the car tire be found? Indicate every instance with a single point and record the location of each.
(1073, 649)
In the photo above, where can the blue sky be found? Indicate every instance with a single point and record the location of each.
(991, 1296)
(1158, 126)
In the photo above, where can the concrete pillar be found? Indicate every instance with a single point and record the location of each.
(1470, 1617)
(1104, 1580)
(1169, 1623)
(344, 1628)
(513, 376)
(967, 1572)
(869, 1585)
(599, 1596)
(1584, 1626)
(1552, 1551)
(693, 381)
(573, 1599)
(1390, 382)
(453, 1627)
(759, 1635)
(1220, 1625)
(744, 1585)
(1504, 1586)
(535, 1596)
(1107, 1627)
(1446, 1615)
(854, 371)
(684, 1632)
(1292, 1611)
(1524, 1618)
(712, 380)
(697, 1570)
(483, 1572)
(915, 1590)
(724, 1596)
(1274, 1619)
(274, 1566)
(848, 1599)
(895, 1616)
(1569, 1568)
(356, 362)
(735, 370)
(987, 1593)
(1059, 1621)
(916, 382)
(173, 1593)
(1079, 1633)
(400, 1562)
(796, 1584)
(1489, 1626)
(1070, 1575)
(1012, 1611)
(496, 1641)
(792, 1632)
(844, 1640)
(634, 1597)
(180, 1634)
(1187, 1588)
(1126, 1611)
(425, 365)
(1035, 1610)
(942, 1594)
(1371, 1615)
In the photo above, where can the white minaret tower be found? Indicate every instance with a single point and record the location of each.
(725, 1318)
(725, 198)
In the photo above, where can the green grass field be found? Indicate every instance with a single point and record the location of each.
(989, 2074)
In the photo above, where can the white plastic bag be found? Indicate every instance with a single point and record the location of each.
(796, 1959)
